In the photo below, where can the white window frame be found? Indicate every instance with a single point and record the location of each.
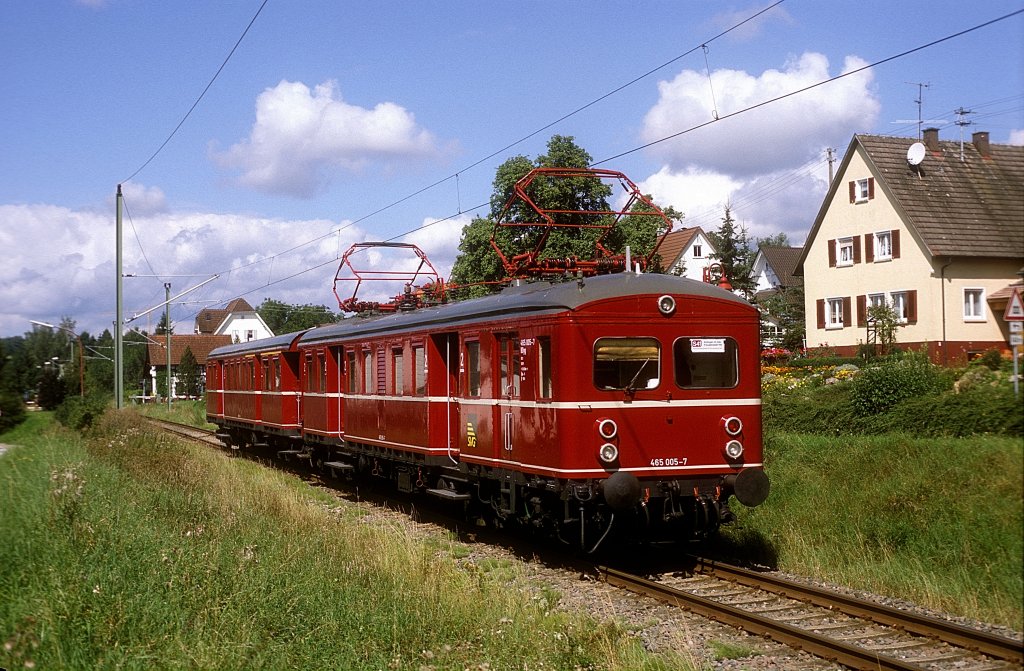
(698, 252)
(834, 313)
(899, 304)
(883, 250)
(875, 300)
(974, 310)
(861, 191)
(844, 245)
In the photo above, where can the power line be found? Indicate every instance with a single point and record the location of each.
(201, 95)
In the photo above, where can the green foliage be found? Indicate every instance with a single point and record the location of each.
(188, 374)
(51, 388)
(79, 413)
(162, 327)
(732, 251)
(787, 306)
(991, 359)
(284, 318)
(12, 410)
(879, 388)
(886, 321)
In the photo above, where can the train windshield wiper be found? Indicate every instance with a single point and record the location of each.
(630, 388)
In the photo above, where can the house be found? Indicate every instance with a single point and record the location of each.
(238, 320)
(687, 253)
(200, 345)
(773, 275)
(934, 230)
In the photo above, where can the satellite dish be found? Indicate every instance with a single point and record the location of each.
(915, 154)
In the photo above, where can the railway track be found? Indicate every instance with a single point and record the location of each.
(852, 632)
(855, 633)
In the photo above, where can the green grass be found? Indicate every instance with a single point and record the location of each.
(192, 412)
(129, 549)
(937, 521)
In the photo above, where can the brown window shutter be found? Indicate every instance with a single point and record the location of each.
(912, 306)
(862, 310)
(895, 238)
(869, 247)
(847, 319)
(831, 253)
(856, 249)
(871, 188)
(853, 191)
(821, 313)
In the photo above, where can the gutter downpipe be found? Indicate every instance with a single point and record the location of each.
(942, 285)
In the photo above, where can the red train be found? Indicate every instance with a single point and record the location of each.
(623, 402)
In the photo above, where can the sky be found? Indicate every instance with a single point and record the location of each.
(340, 122)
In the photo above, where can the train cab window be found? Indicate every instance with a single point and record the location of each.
(627, 363)
(472, 364)
(544, 367)
(510, 375)
(353, 376)
(419, 363)
(398, 377)
(706, 363)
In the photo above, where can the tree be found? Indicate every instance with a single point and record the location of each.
(162, 327)
(733, 253)
(477, 262)
(776, 240)
(287, 318)
(188, 374)
(786, 305)
(51, 388)
(884, 320)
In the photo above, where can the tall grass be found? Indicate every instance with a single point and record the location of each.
(129, 549)
(937, 521)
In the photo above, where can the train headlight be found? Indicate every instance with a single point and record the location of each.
(666, 305)
(732, 425)
(607, 428)
(734, 449)
(608, 453)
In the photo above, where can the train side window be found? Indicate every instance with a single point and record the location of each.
(473, 368)
(627, 363)
(322, 361)
(310, 373)
(706, 363)
(367, 372)
(509, 364)
(544, 366)
(397, 361)
(339, 367)
(419, 362)
(266, 375)
(353, 375)
(382, 380)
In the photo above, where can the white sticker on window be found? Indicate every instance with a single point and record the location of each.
(707, 344)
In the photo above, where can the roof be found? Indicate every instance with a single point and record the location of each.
(674, 244)
(209, 319)
(201, 345)
(282, 342)
(783, 262)
(529, 299)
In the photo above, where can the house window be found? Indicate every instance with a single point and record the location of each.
(974, 305)
(845, 252)
(698, 252)
(862, 190)
(901, 305)
(876, 300)
(834, 313)
(250, 335)
(883, 246)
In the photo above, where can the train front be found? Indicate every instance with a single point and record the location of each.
(671, 425)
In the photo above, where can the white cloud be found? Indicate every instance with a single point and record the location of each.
(779, 135)
(1017, 137)
(748, 30)
(300, 133)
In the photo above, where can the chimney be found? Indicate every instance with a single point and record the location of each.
(980, 140)
(931, 140)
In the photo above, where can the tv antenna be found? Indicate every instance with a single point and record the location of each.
(920, 121)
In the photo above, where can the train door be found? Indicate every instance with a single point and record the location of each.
(444, 425)
(509, 387)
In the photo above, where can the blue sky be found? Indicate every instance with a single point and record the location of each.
(329, 111)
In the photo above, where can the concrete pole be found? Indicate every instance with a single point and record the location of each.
(118, 319)
(167, 332)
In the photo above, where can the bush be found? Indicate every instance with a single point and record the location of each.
(12, 411)
(878, 388)
(78, 413)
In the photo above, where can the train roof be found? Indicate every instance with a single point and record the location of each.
(282, 342)
(536, 298)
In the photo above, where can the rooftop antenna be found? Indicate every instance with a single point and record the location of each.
(961, 121)
(921, 86)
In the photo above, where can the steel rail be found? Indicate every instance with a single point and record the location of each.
(981, 642)
(821, 646)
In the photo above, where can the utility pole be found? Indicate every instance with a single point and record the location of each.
(118, 321)
(167, 333)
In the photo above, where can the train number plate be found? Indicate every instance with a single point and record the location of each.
(669, 461)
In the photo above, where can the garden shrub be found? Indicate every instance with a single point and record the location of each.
(878, 388)
(78, 413)
(12, 410)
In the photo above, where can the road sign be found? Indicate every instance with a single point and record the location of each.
(1016, 339)
(1014, 307)
(1016, 327)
